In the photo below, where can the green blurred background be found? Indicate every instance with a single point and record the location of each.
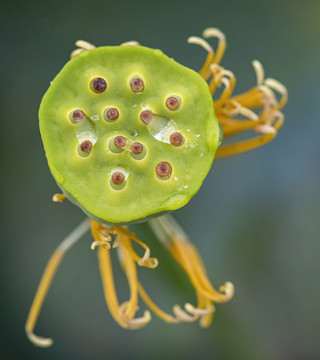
(255, 220)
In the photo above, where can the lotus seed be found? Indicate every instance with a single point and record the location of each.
(136, 148)
(78, 115)
(176, 139)
(120, 142)
(98, 85)
(163, 169)
(137, 85)
(86, 146)
(146, 116)
(172, 103)
(118, 178)
(112, 114)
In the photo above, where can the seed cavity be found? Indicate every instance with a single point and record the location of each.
(163, 169)
(173, 103)
(98, 85)
(111, 114)
(120, 142)
(146, 117)
(176, 138)
(136, 148)
(76, 116)
(137, 84)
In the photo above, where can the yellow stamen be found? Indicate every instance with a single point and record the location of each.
(108, 286)
(247, 145)
(123, 313)
(46, 281)
(182, 315)
(58, 197)
(258, 68)
(104, 244)
(131, 272)
(276, 85)
(85, 45)
(75, 53)
(204, 72)
(222, 44)
(146, 260)
(130, 43)
(153, 307)
(174, 238)
(228, 108)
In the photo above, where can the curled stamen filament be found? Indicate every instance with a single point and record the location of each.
(174, 238)
(124, 313)
(145, 260)
(46, 280)
(204, 72)
(216, 33)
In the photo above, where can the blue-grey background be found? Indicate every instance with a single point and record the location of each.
(255, 220)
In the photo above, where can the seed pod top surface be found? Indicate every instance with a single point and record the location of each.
(106, 101)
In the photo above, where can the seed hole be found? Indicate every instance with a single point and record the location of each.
(163, 169)
(146, 116)
(76, 116)
(111, 114)
(137, 84)
(176, 139)
(98, 85)
(120, 142)
(173, 103)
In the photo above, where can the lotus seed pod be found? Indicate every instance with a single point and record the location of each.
(128, 132)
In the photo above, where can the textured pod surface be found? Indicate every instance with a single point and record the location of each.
(86, 177)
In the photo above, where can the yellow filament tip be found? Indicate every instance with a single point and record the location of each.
(85, 45)
(214, 33)
(75, 53)
(104, 244)
(58, 197)
(38, 340)
(182, 315)
(201, 42)
(130, 43)
(258, 68)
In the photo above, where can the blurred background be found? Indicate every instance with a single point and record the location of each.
(255, 220)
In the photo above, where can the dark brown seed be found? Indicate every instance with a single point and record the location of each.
(112, 114)
(118, 178)
(146, 116)
(78, 115)
(86, 146)
(136, 84)
(172, 103)
(163, 169)
(99, 85)
(136, 148)
(120, 142)
(176, 138)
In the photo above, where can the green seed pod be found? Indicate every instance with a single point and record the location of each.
(128, 132)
